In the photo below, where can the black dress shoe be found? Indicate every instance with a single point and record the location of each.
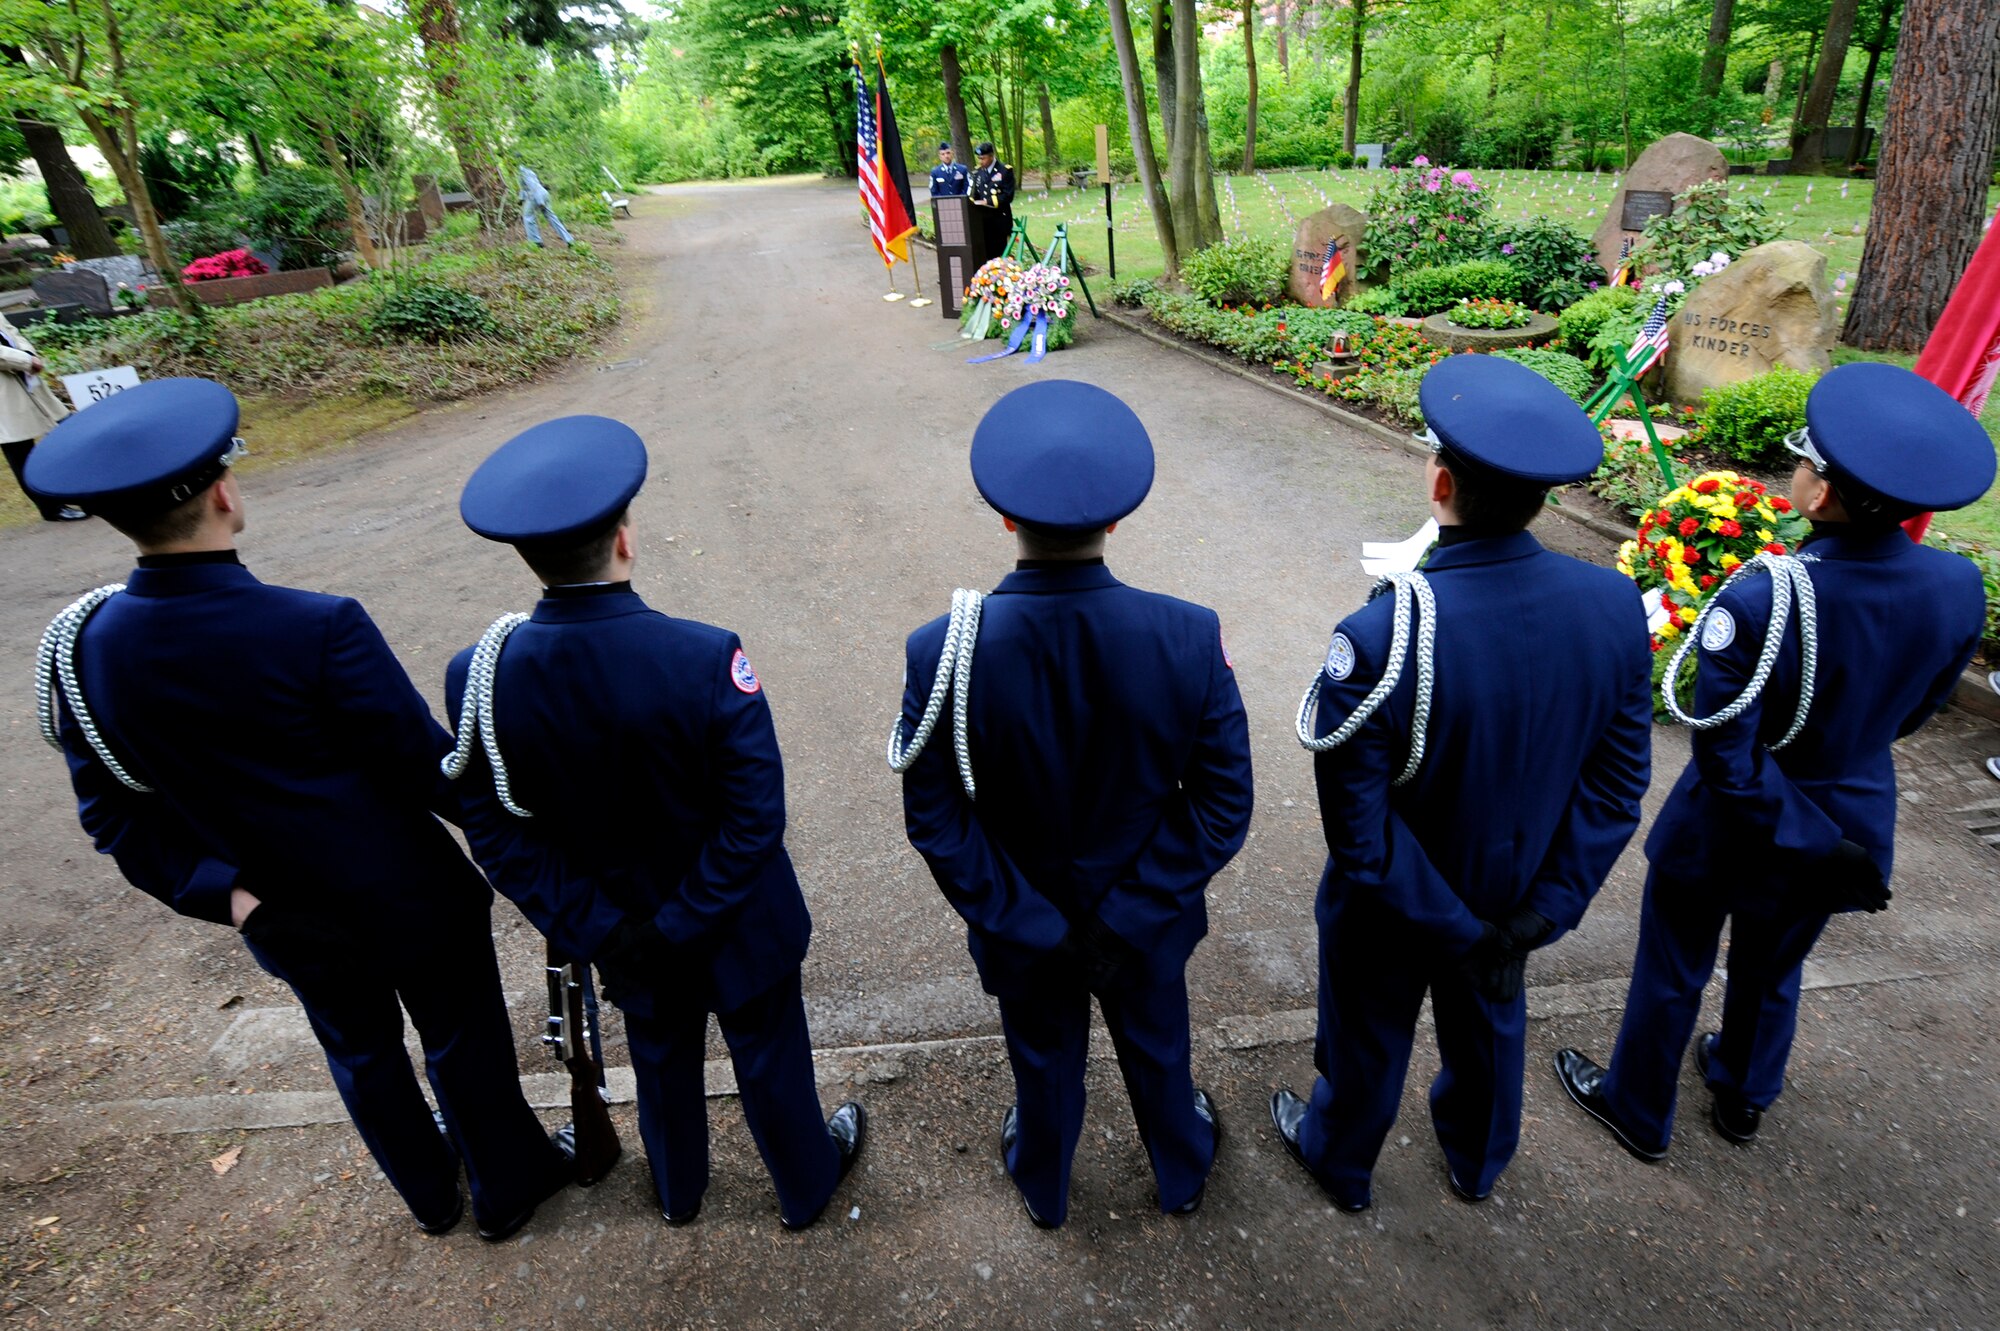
(686, 1218)
(1010, 1129)
(1205, 1110)
(1732, 1117)
(1287, 1112)
(1584, 1081)
(849, 1129)
(1463, 1193)
(564, 1140)
(445, 1225)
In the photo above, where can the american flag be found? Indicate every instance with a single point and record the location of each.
(1651, 347)
(1331, 270)
(889, 225)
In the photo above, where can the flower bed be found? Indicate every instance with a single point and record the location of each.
(1485, 312)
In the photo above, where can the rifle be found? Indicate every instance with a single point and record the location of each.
(571, 1035)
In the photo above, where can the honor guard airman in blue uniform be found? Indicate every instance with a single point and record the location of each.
(948, 178)
(255, 755)
(1475, 790)
(1089, 781)
(1787, 813)
(992, 192)
(624, 789)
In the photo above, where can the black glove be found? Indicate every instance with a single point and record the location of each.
(1845, 880)
(636, 956)
(1492, 968)
(1523, 931)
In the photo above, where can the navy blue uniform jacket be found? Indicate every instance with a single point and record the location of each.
(644, 748)
(1539, 749)
(1113, 766)
(1897, 624)
(285, 745)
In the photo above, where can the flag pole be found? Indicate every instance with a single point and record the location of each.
(889, 267)
(917, 276)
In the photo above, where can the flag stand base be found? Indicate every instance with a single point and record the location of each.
(920, 302)
(893, 295)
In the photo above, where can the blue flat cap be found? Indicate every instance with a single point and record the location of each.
(563, 480)
(138, 452)
(1501, 415)
(1062, 455)
(944, 145)
(1886, 435)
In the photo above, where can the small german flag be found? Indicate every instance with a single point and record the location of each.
(1331, 270)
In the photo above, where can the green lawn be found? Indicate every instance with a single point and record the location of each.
(1830, 215)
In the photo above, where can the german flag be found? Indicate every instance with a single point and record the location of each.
(1331, 270)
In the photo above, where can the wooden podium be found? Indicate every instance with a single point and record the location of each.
(961, 244)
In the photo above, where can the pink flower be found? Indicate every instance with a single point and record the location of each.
(1463, 178)
(1421, 161)
(1431, 184)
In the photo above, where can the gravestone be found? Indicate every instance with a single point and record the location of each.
(1368, 155)
(74, 286)
(1771, 307)
(130, 269)
(1673, 164)
(1336, 222)
(429, 202)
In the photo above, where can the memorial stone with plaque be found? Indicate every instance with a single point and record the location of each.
(1673, 164)
(1771, 307)
(1335, 222)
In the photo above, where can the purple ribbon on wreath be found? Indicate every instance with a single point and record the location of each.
(1013, 344)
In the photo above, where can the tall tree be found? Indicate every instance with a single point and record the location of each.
(1141, 133)
(1164, 75)
(1885, 10)
(1051, 155)
(1191, 171)
(1284, 58)
(954, 101)
(1715, 55)
(69, 193)
(447, 60)
(1809, 132)
(1936, 161)
(1250, 69)
(1351, 113)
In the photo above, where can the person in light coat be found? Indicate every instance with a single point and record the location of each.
(534, 199)
(29, 409)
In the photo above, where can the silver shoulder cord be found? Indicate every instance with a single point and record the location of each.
(1413, 597)
(1789, 577)
(954, 677)
(475, 713)
(55, 666)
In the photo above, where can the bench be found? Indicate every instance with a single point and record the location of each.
(616, 205)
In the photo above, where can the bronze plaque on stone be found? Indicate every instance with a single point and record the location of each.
(1642, 206)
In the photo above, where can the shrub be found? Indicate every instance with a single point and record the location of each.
(1343, 159)
(1748, 421)
(1378, 300)
(1131, 292)
(1249, 270)
(1706, 218)
(1577, 327)
(1559, 368)
(1434, 290)
(1286, 334)
(427, 311)
(209, 227)
(1423, 218)
(1988, 564)
(230, 263)
(1556, 263)
(300, 217)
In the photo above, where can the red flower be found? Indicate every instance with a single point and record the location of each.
(1666, 518)
(1731, 528)
(1689, 526)
(1782, 505)
(1708, 487)
(1707, 581)
(1693, 556)
(1645, 525)
(1758, 486)
(1775, 548)
(1656, 644)
(1746, 500)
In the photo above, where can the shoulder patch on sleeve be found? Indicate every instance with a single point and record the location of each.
(1339, 657)
(1719, 632)
(741, 675)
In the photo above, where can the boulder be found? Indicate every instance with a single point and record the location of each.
(1771, 307)
(1673, 164)
(1334, 222)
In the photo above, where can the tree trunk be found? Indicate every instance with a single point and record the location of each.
(954, 102)
(1352, 112)
(444, 60)
(1141, 133)
(1624, 84)
(1051, 155)
(357, 216)
(1163, 67)
(119, 142)
(840, 131)
(1250, 68)
(1284, 60)
(1715, 56)
(985, 111)
(1805, 79)
(69, 193)
(1020, 94)
(1809, 132)
(1875, 48)
(257, 154)
(1493, 78)
(1936, 160)
(1004, 145)
(1191, 185)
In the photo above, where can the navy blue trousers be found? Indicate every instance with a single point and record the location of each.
(1374, 973)
(453, 997)
(772, 1050)
(1048, 1039)
(1680, 931)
